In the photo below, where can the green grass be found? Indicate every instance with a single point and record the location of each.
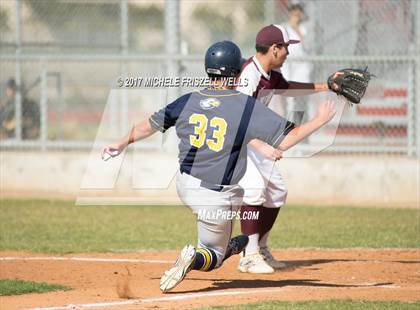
(19, 287)
(338, 227)
(325, 305)
(61, 227)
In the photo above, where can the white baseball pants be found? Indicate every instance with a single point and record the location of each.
(213, 232)
(262, 182)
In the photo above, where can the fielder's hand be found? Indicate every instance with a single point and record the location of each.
(350, 83)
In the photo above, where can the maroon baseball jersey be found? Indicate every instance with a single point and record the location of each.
(260, 84)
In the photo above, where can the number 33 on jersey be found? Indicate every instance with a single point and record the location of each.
(200, 137)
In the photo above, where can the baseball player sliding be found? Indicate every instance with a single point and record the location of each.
(265, 190)
(214, 126)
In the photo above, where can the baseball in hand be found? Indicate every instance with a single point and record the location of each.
(108, 153)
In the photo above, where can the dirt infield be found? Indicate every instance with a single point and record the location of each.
(314, 274)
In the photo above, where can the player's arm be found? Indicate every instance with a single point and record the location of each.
(266, 150)
(306, 88)
(275, 130)
(297, 89)
(293, 88)
(325, 113)
(161, 121)
(315, 87)
(140, 131)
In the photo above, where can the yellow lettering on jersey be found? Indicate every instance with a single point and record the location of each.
(218, 134)
(199, 136)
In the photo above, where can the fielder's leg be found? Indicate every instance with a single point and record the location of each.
(275, 194)
(254, 186)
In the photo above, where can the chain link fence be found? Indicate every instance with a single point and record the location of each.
(65, 56)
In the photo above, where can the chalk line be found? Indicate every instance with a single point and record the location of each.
(158, 299)
(87, 259)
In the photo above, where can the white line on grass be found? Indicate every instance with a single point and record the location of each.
(158, 299)
(88, 259)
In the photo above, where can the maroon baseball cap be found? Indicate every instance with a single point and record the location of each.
(274, 34)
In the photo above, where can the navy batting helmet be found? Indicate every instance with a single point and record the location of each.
(223, 59)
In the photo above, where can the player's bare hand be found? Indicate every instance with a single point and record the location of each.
(112, 150)
(270, 152)
(326, 111)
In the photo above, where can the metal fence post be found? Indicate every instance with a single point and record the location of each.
(417, 103)
(269, 12)
(172, 39)
(413, 126)
(124, 47)
(417, 74)
(18, 74)
(411, 110)
(172, 48)
(44, 107)
(61, 105)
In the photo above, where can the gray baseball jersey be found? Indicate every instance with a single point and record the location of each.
(214, 126)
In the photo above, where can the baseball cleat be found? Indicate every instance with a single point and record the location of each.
(181, 267)
(254, 263)
(270, 260)
(236, 245)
